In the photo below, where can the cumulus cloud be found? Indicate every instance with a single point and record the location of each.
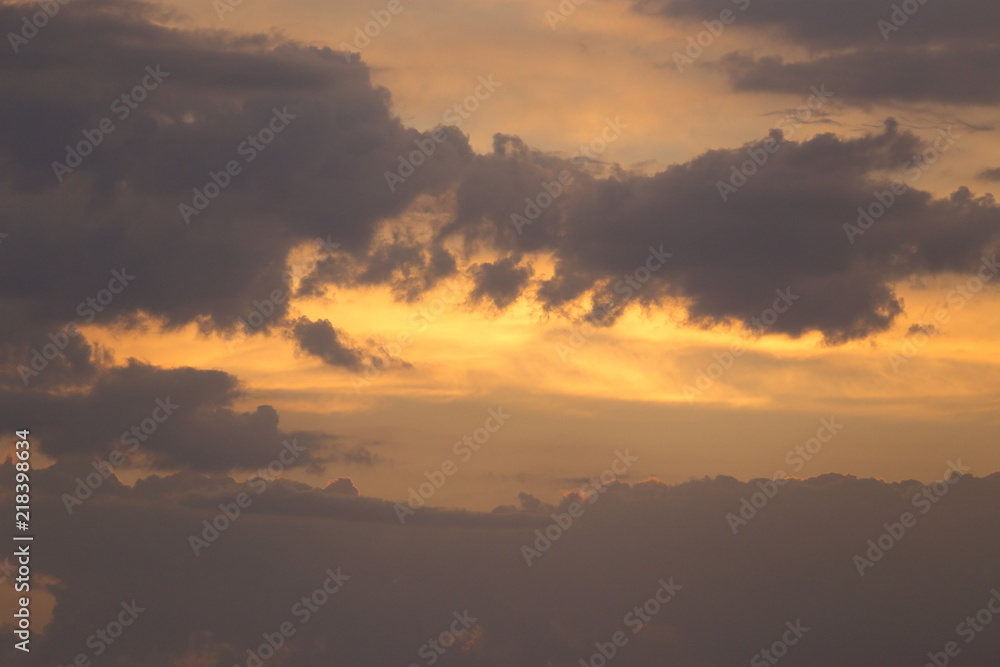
(178, 418)
(500, 282)
(322, 340)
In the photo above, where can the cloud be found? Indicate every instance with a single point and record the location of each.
(309, 134)
(322, 176)
(322, 340)
(342, 486)
(794, 560)
(952, 46)
(407, 265)
(178, 418)
(500, 282)
(926, 329)
(965, 74)
(840, 24)
(741, 232)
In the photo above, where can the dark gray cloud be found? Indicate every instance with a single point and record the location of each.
(926, 329)
(990, 174)
(408, 266)
(332, 136)
(342, 486)
(834, 24)
(181, 418)
(907, 51)
(963, 74)
(500, 282)
(323, 177)
(784, 226)
(322, 340)
(794, 560)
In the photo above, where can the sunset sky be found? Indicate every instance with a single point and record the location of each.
(498, 243)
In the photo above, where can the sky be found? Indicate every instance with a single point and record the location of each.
(417, 279)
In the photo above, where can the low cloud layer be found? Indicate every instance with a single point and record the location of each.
(792, 560)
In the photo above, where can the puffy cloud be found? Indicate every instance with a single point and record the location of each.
(926, 329)
(743, 226)
(180, 418)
